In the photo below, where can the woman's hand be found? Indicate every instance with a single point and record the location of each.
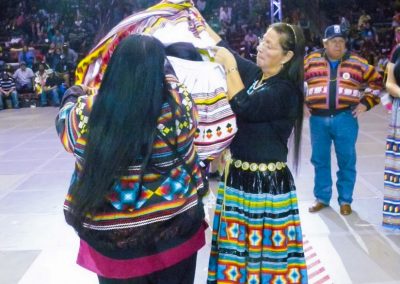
(224, 57)
(234, 83)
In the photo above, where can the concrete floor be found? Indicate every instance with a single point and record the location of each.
(36, 245)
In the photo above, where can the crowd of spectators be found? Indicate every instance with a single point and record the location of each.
(55, 34)
(41, 42)
(370, 25)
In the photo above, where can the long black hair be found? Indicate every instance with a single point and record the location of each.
(184, 50)
(292, 39)
(123, 120)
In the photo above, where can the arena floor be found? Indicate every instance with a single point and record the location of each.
(36, 245)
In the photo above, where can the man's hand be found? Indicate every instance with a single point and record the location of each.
(359, 109)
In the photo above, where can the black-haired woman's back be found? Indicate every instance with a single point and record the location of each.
(143, 220)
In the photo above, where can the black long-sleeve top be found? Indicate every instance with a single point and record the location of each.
(265, 115)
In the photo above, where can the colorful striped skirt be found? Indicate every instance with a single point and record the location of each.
(256, 235)
(391, 200)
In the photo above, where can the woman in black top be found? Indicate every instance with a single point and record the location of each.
(256, 230)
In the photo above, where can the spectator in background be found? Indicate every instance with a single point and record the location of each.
(305, 24)
(58, 38)
(344, 25)
(40, 83)
(50, 54)
(224, 15)
(36, 30)
(396, 36)
(250, 42)
(52, 88)
(20, 20)
(214, 23)
(40, 55)
(63, 69)
(24, 78)
(364, 17)
(7, 91)
(54, 58)
(2, 59)
(383, 60)
(201, 5)
(396, 19)
(27, 55)
(369, 34)
(70, 56)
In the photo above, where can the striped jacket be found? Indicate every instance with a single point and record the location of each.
(341, 90)
(168, 202)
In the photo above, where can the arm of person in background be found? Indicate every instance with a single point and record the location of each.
(74, 57)
(371, 93)
(13, 49)
(15, 75)
(12, 89)
(2, 91)
(391, 85)
(49, 88)
(32, 77)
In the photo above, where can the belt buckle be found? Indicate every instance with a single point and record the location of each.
(253, 167)
(262, 167)
(237, 163)
(271, 167)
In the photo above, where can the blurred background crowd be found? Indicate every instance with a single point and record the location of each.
(42, 39)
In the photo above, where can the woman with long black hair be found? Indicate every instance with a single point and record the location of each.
(133, 195)
(257, 236)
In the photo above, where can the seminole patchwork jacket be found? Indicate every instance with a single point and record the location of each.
(331, 90)
(167, 205)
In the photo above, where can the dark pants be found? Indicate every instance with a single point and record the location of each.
(24, 88)
(181, 273)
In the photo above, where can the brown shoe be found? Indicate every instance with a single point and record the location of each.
(345, 209)
(317, 206)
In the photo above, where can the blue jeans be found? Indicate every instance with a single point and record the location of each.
(342, 129)
(14, 99)
(55, 99)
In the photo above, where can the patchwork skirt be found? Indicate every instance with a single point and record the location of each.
(256, 235)
(391, 199)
